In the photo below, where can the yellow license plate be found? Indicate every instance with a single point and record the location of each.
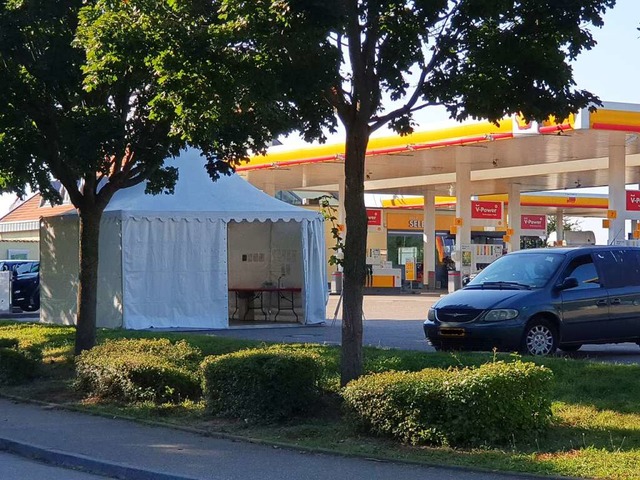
(452, 332)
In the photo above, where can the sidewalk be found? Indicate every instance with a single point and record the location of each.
(132, 451)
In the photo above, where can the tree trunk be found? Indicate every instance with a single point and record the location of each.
(355, 251)
(88, 285)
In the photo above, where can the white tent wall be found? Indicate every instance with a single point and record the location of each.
(249, 252)
(175, 272)
(110, 295)
(314, 262)
(59, 267)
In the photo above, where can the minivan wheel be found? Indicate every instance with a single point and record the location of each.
(32, 306)
(540, 338)
(34, 302)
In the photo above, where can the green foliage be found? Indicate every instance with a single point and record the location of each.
(567, 224)
(494, 403)
(18, 365)
(269, 384)
(140, 370)
(9, 343)
(329, 215)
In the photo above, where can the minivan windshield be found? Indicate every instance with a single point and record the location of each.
(530, 270)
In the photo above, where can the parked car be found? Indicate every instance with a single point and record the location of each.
(13, 265)
(535, 301)
(25, 283)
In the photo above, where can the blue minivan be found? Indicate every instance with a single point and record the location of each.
(535, 301)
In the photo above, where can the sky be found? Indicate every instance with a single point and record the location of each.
(611, 71)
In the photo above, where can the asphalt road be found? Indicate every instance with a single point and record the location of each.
(13, 467)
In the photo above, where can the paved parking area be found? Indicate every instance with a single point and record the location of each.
(395, 321)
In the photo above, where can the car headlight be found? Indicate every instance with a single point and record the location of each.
(431, 314)
(500, 314)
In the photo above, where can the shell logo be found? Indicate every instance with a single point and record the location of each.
(521, 123)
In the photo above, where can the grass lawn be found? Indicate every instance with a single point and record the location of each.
(596, 431)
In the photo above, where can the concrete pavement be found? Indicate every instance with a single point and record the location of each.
(133, 451)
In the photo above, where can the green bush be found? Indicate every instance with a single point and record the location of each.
(491, 404)
(9, 343)
(132, 370)
(269, 384)
(18, 365)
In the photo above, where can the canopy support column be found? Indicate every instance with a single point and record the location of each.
(342, 215)
(463, 203)
(617, 187)
(341, 196)
(270, 189)
(559, 228)
(514, 216)
(429, 238)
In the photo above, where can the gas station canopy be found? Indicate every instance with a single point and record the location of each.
(538, 157)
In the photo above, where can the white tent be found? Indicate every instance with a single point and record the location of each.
(171, 261)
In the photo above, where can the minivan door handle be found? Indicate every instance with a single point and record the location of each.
(616, 301)
(601, 303)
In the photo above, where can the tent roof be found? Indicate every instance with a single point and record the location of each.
(228, 198)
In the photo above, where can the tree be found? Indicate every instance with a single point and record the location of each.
(96, 94)
(568, 225)
(391, 58)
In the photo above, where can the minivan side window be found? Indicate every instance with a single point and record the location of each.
(583, 269)
(621, 268)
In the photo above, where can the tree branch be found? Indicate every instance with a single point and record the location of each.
(408, 107)
(378, 123)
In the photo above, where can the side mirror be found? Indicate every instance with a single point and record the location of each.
(567, 283)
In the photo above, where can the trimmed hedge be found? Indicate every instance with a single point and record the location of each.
(133, 370)
(9, 343)
(269, 384)
(18, 365)
(491, 404)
